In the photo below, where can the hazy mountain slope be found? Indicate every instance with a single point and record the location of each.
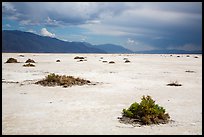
(111, 48)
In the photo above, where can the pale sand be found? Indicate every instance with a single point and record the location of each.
(93, 109)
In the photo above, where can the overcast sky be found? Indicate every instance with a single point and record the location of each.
(133, 25)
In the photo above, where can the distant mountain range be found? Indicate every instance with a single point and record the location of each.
(26, 42)
(15, 41)
(18, 41)
(110, 48)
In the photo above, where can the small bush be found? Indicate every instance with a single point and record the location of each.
(174, 84)
(196, 57)
(190, 71)
(29, 65)
(21, 56)
(144, 113)
(12, 60)
(111, 62)
(80, 60)
(58, 60)
(58, 80)
(78, 57)
(30, 61)
(127, 61)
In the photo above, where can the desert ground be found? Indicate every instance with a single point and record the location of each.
(28, 108)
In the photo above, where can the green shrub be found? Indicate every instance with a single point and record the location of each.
(52, 77)
(146, 112)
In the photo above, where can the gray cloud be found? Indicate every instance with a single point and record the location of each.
(82, 12)
(154, 23)
(63, 12)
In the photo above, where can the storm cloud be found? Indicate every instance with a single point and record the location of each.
(167, 25)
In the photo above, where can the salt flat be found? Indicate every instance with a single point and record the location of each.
(28, 108)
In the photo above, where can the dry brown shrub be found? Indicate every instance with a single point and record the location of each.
(30, 61)
(175, 83)
(65, 81)
(77, 57)
(12, 60)
(111, 62)
(127, 61)
(29, 65)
